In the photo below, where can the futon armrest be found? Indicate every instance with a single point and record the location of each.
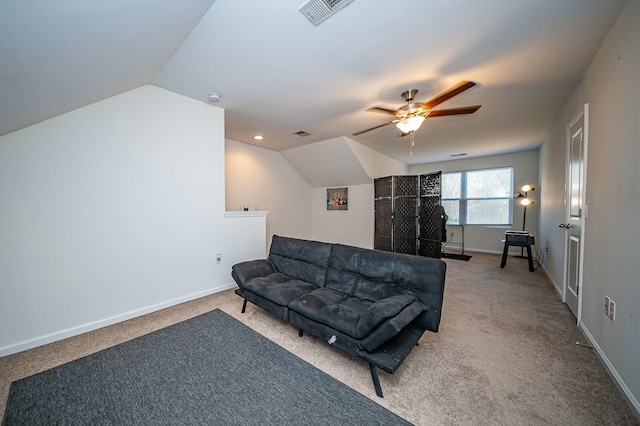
(244, 271)
(381, 311)
(392, 326)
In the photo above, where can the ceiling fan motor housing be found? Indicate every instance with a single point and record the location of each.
(409, 95)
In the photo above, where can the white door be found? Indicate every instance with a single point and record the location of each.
(576, 209)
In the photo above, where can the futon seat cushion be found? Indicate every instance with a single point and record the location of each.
(351, 315)
(278, 288)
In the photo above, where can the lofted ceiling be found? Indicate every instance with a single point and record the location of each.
(278, 74)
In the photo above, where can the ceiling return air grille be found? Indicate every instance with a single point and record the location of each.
(318, 11)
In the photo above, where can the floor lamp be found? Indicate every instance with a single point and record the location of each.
(525, 201)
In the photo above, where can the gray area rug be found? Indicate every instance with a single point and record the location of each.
(210, 369)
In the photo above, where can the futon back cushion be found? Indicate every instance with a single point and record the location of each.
(301, 259)
(367, 274)
(374, 275)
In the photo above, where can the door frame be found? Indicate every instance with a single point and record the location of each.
(584, 112)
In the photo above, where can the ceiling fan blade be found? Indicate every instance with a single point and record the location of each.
(373, 128)
(448, 94)
(382, 111)
(454, 111)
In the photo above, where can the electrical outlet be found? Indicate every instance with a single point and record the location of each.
(612, 310)
(218, 257)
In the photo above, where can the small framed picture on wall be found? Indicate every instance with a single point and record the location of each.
(337, 198)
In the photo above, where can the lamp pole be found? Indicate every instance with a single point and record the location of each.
(524, 217)
(525, 202)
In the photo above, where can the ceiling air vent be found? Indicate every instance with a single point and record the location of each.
(317, 11)
(302, 133)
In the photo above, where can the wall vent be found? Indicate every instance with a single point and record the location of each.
(318, 11)
(302, 133)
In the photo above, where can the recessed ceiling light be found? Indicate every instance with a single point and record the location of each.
(258, 137)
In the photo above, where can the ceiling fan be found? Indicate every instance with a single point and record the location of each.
(410, 117)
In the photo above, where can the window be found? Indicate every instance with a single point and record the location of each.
(479, 197)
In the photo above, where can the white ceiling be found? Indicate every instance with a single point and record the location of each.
(310, 162)
(278, 73)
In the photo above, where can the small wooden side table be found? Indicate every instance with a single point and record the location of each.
(518, 240)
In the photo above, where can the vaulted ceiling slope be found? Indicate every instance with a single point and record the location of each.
(278, 73)
(56, 56)
(341, 162)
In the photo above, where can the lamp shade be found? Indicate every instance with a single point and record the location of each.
(527, 188)
(526, 202)
(410, 124)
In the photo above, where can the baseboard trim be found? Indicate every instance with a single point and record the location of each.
(477, 250)
(84, 328)
(473, 250)
(632, 401)
(511, 253)
(546, 272)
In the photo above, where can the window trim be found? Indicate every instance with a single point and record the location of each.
(463, 200)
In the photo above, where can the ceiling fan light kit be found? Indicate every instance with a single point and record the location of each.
(410, 124)
(410, 117)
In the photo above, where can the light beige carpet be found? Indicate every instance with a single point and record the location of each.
(505, 354)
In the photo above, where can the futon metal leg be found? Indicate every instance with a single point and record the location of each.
(244, 306)
(376, 381)
(300, 332)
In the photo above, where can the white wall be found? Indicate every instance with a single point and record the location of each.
(353, 226)
(111, 211)
(612, 234)
(488, 238)
(264, 180)
(552, 190)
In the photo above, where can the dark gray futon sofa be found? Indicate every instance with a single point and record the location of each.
(372, 304)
